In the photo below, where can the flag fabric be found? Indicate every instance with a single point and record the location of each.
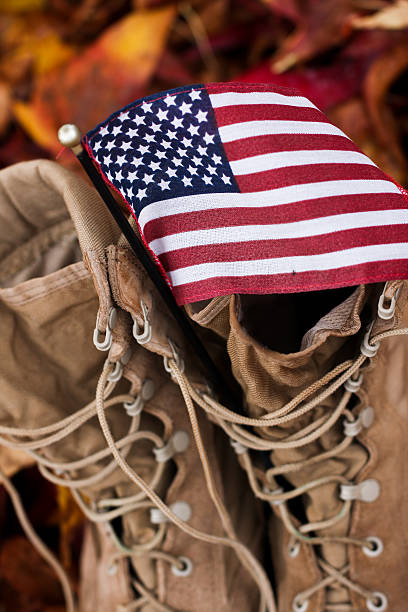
(243, 188)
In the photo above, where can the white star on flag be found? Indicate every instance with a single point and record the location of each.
(185, 108)
(170, 100)
(162, 114)
(193, 129)
(208, 138)
(201, 116)
(178, 123)
(164, 184)
(148, 178)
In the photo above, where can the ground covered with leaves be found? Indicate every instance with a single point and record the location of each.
(77, 61)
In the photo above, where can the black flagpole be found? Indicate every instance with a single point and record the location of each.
(70, 136)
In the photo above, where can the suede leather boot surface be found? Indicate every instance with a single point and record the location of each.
(171, 522)
(323, 439)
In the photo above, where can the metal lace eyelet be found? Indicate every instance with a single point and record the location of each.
(104, 343)
(365, 419)
(134, 408)
(142, 336)
(375, 547)
(294, 549)
(176, 356)
(386, 313)
(116, 373)
(186, 570)
(367, 349)
(178, 443)
(352, 428)
(365, 491)
(300, 606)
(353, 385)
(180, 508)
(378, 603)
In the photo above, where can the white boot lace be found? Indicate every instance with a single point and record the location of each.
(263, 482)
(35, 440)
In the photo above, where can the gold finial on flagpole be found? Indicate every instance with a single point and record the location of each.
(70, 136)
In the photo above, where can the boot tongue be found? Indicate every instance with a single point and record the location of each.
(334, 320)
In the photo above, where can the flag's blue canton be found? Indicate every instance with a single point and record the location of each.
(164, 146)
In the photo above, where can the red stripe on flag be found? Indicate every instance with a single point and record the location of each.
(227, 115)
(213, 88)
(258, 145)
(264, 215)
(292, 283)
(287, 247)
(311, 173)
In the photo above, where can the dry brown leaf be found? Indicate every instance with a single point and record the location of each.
(5, 107)
(27, 582)
(287, 8)
(107, 75)
(384, 71)
(393, 17)
(352, 118)
(321, 25)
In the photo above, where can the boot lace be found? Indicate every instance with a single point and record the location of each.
(347, 375)
(104, 510)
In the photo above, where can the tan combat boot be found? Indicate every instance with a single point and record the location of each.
(291, 206)
(325, 385)
(171, 521)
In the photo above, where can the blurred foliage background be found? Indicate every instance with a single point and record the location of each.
(79, 60)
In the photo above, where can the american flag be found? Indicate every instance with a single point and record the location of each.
(243, 188)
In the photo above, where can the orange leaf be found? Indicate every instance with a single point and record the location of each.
(107, 75)
(34, 43)
(21, 6)
(70, 518)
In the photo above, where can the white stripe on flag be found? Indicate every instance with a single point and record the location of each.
(249, 129)
(272, 197)
(288, 265)
(234, 98)
(278, 231)
(284, 159)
